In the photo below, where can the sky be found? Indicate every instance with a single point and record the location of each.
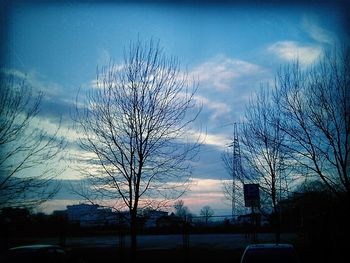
(229, 47)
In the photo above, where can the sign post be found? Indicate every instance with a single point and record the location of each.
(252, 199)
(251, 195)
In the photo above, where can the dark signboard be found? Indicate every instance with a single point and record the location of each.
(251, 195)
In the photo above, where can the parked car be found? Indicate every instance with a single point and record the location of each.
(269, 253)
(36, 253)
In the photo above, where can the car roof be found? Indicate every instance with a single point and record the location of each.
(269, 246)
(38, 246)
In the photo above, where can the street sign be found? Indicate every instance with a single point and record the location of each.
(251, 195)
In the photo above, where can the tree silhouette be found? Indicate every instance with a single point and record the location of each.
(182, 211)
(315, 110)
(263, 149)
(206, 212)
(135, 127)
(24, 146)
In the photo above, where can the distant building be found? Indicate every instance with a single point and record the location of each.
(77, 212)
(88, 215)
(91, 215)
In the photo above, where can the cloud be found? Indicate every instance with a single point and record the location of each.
(203, 192)
(104, 57)
(316, 32)
(38, 82)
(228, 80)
(219, 108)
(205, 186)
(290, 50)
(220, 141)
(207, 192)
(220, 72)
(57, 99)
(108, 71)
(225, 84)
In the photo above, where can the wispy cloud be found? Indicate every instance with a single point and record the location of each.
(104, 57)
(219, 108)
(225, 84)
(290, 50)
(220, 141)
(38, 82)
(220, 72)
(204, 186)
(316, 32)
(54, 94)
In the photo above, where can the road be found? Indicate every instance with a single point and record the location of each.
(212, 241)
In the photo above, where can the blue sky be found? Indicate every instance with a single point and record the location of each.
(229, 47)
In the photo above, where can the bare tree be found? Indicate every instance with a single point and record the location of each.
(182, 211)
(26, 176)
(263, 149)
(136, 128)
(315, 103)
(206, 212)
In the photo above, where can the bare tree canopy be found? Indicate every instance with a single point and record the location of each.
(206, 212)
(182, 211)
(263, 150)
(315, 104)
(24, 146)
(136, 126)
(300, 127)
(262, 140)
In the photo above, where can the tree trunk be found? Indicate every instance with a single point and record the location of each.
(277, 226)
(133, 233)
(276, 217)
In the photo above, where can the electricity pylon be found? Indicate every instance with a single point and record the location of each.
(237, 170)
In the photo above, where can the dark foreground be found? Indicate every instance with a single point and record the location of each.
(212, 248)
(100, 255)
(93, 255)
(108, 254)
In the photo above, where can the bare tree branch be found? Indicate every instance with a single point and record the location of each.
(24, 146)
(263, 148)
(135, 124)
(315, 107)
